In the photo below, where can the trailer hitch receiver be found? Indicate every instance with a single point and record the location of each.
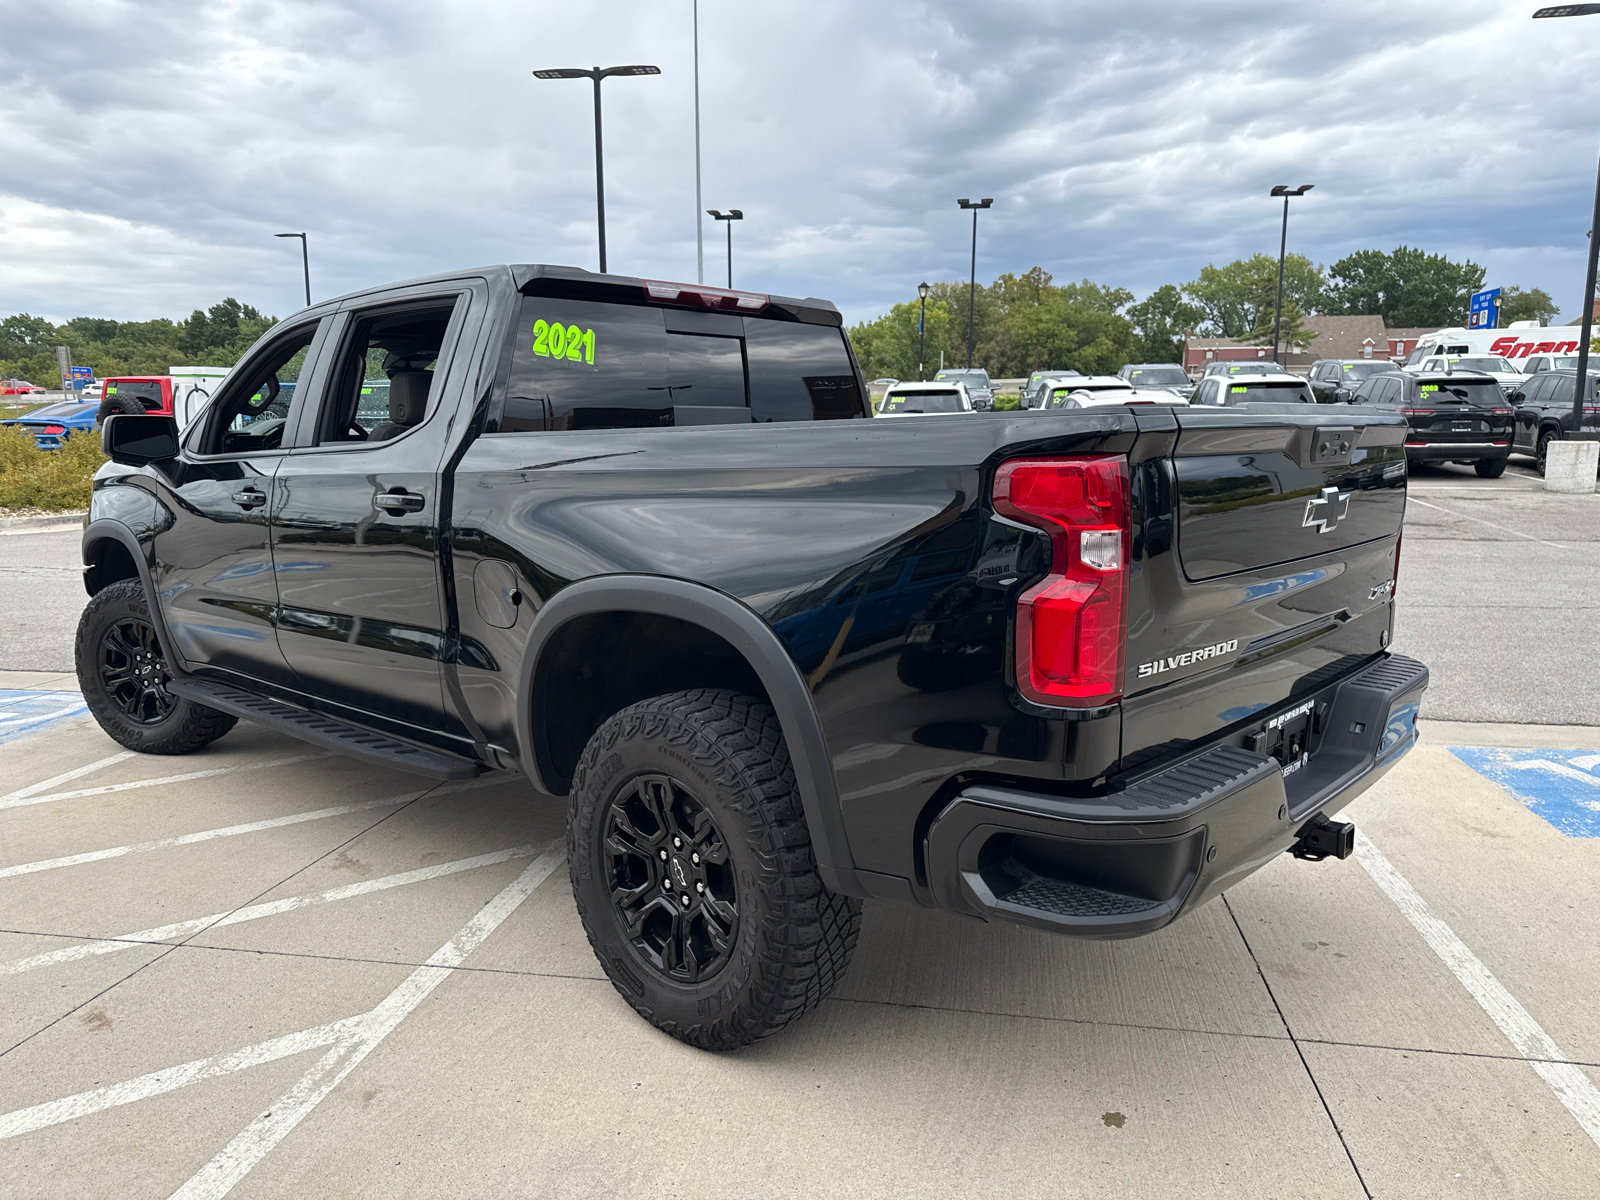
(1321, 838)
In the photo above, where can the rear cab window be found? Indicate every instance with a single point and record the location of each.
(580, 363)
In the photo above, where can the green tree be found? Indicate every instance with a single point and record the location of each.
(1160, 320)
(1409, 288)
(23, 334)
(1231, 298)
(1533, 305)
(93, 329)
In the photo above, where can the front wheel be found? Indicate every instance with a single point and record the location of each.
(1543, 452)
(693, 871)
(122, 672)
(1490, 468)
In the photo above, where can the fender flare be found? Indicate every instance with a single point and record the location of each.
(110, 529)
(747, 633)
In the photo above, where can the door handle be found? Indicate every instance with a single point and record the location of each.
(249, 498)
(399, 501)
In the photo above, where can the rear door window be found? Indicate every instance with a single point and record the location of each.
(800, 372)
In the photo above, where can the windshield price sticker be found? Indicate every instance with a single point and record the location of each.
(1430, 387)
(1238, 390)
(552, 339)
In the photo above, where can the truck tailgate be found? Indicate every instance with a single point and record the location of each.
(1265, 543)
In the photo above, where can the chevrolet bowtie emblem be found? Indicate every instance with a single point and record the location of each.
(1325, 511)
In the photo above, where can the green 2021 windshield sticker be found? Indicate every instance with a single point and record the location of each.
(552, 339)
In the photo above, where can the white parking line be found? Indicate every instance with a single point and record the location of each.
(205, 835)
(1502, 528)
(255, 912)
(351, 1039)
(21, 799)
(1571, 1086)
(44, 785)
(218, 1177)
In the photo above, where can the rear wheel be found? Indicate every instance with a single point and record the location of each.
(693, 871)
(122, 672)
(1490, 468)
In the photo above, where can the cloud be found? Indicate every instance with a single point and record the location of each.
(151, 149)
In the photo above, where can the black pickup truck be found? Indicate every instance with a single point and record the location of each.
(643, 544)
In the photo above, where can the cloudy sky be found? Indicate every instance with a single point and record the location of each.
(149, 149)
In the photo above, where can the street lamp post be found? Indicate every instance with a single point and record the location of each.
(1283, 247)
(597, 74)
(972, 289)
(1582, 10)
(305, 261)
(922, 328)
(732, 215)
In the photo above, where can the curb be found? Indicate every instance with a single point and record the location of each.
(71, 517)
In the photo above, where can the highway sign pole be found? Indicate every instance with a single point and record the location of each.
(64, 361)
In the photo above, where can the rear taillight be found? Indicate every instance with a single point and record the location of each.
(1394, 585)
(1072, 625)
(1417, 412)
(55, 428)
(701, 296)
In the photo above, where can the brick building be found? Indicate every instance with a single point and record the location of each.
(1337, 337)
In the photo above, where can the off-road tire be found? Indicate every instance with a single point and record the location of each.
(183, 727)
(114, 406)
(1490, 468)
(793, 937)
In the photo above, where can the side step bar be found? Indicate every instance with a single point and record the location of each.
(322, 730)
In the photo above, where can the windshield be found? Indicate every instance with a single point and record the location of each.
(939, 401)
(1268, 391)
(1364, 370)
(973, 379)
(1158, 377)
(1483, 392)
(1260, 366)
(1483, 363)
(1564, 362)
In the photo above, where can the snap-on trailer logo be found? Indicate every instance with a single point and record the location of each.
(1510, 347)
(1187, 659)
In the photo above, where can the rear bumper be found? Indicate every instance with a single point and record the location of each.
(1132, 861)
(1450, 451)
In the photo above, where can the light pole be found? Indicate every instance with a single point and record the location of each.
(922, 328)
(1582, 10)
(1283, 246)
(972, 289)
(732, 215)
(699, 225)
(597, 74)
(305, 261)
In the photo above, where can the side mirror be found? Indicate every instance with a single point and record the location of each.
(138, 441)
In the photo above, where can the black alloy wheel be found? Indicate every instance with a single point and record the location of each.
(134, 672)
(671, 880)
(1543, 451)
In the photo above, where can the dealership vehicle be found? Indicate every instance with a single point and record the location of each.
(18, 387)
(1081, 670)
(1333, 380)
(1454, 417)
(976, 380)
(1550, 362)
(1243, 366)
(1038, 385)
(1501, 370)
(94, 390)
(924, 399)
(54, 423)
(1541, 408)
(1161, 375)
(1091, 391)
(1223, 391)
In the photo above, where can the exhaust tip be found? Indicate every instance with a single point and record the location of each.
(1321, 838)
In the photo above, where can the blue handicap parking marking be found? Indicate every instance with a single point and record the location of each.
(22, 713)
(1562, 786)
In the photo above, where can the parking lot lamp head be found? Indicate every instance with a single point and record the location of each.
(1582, 10)
(597, 74)
(972, 290)
(305, 261)
(1285, 191)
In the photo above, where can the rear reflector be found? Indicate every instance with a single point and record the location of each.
(1072, 625)
(699, 296)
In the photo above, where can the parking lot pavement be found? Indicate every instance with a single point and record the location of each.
(265, 971)
(41, 594)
